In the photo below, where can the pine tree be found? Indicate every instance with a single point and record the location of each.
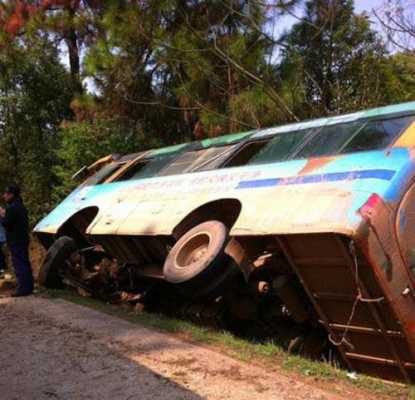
(69, 22)
(186, 69)
(332, 60)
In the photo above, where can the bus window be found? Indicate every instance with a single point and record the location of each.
(245, 153)
(377, 134)
(105, 172)
(329, 139)
(281, 147)
(147, 168)
(181, 164)
(130, 172)
(198, 160)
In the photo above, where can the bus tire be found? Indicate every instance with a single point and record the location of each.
(217, 286)
(198, 256)
(55, 258)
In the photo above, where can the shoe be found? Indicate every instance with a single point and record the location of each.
(17, 294)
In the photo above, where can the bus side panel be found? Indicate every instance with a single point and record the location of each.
(275, 198)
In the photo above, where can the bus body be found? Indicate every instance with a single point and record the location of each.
(334, 197)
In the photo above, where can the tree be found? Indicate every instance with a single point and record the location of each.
(333, 61)
(399, 77)
(217, 54)
(397, 20)
(35, 92)
(82, 143)
(186, 69)
(69, 21)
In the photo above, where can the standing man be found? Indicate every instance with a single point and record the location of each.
(16, 223)
(3, 264)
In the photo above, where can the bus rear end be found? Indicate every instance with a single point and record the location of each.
(362, 285)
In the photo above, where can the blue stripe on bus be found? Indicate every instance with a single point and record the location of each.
(383, 174)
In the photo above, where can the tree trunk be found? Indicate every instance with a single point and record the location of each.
(71, 41)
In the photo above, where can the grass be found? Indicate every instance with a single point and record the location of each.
(268, 355)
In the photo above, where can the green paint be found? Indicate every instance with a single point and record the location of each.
(217, 141)
(393, 109)
(227, 139)
(167, 150)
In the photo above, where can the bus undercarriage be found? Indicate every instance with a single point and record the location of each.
(314, 294)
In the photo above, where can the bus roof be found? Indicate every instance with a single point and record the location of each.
(396, 109)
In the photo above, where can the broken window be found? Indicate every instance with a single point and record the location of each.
(103, 174)
(147, 168)
(245, 153)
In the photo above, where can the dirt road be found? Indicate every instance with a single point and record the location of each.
(53, 349)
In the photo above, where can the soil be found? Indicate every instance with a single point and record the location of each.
(53, 349)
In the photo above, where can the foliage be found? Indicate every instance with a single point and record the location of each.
(186, 62)
(400, 84)
(35, 92)
(333, 62)
(82, 143)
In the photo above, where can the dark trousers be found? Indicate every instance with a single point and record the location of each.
(22, 267)
(3, 264)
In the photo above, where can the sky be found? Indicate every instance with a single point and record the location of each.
(367, 5)
(360, 6)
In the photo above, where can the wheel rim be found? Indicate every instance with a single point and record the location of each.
(194, 250)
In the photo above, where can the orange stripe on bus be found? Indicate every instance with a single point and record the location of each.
(407, 139)
(315, 163)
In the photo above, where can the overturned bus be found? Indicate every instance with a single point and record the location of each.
(317, 216)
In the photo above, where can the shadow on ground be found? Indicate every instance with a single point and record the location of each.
(45, 359)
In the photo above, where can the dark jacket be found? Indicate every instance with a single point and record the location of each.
(16, 222)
